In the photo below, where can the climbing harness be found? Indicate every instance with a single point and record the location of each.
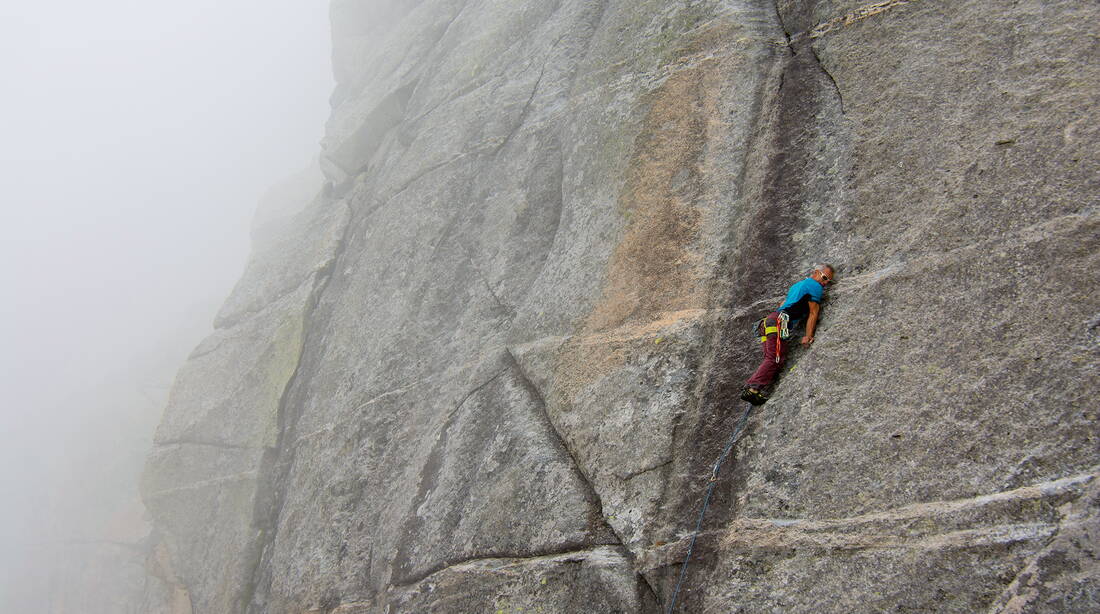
(706, 502)
(764, 330)
(781, 328)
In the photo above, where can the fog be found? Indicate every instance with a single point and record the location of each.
(136, 140)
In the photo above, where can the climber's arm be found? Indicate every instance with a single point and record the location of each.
(811, 322)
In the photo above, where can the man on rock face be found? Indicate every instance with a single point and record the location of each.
(803, 303)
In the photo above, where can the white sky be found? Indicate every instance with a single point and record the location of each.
(135, 139)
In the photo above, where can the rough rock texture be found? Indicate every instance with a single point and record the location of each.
(489, 367)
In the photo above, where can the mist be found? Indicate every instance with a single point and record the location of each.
(137, 139)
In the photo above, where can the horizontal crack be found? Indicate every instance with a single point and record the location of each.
(849, 18)
(205, 443)
(453, 97)
(497, 560)
(277, 295)
(837, 533)
(630, 476)
(471, 393)
(424, 173)
(765, 535)
(1032, 233)
(355, 414)
(201, 351)
(228, 479)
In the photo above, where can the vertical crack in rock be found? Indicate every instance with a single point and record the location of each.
(701, 429)
(489, 287)
(700, 435)
(476, 431)
(523, 114)
(786, 165)
(783, 175)
(600, 13)
(447, 28)
(782, 24)
(276, 462)
(596, 517)
(795, 42)
(557, 204)
(829, 75)
(596, 513)
(403, 564)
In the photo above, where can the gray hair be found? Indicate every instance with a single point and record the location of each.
(822, 266)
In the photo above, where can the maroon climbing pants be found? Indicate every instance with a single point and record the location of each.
(769, 367)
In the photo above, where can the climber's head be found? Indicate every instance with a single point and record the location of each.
(824, 273)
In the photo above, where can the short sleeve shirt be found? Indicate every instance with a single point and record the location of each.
(799, 297)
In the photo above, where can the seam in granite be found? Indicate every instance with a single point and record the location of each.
(1032, 233)
(227, 479)
(189, 441)
(597, 500)
(568, 553)
(784, 532)
(857, 15)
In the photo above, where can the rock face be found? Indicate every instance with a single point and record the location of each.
(490, 366)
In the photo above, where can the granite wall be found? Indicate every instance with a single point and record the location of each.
(488, 368)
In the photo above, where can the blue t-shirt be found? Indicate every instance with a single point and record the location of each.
(799, 296)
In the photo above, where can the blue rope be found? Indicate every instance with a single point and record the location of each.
(706, 501)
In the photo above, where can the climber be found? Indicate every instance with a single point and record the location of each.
(803, 302)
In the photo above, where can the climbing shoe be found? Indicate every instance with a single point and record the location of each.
(754, 396)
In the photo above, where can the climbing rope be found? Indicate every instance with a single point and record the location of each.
(706, 501)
